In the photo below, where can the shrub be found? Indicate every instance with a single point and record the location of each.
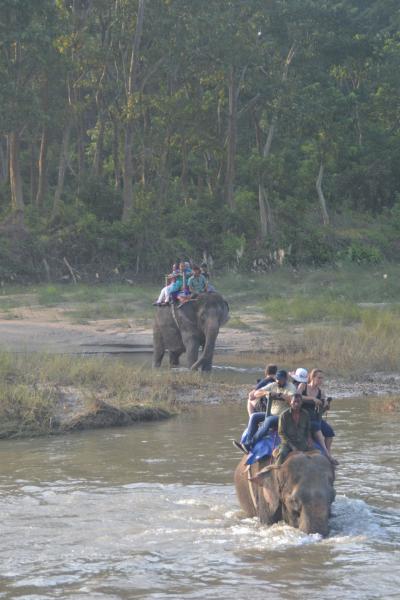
(361, 253)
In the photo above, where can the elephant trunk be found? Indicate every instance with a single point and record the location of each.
(205, 360)
(315, 520)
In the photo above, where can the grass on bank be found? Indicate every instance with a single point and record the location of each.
(347, 282)
(36, 389)
(82, 301)
(371, 342)
(323, 317)
(344, 285)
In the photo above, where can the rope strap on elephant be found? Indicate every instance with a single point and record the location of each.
(251, 489)
(174, 315)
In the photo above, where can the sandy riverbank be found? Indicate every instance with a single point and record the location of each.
(49, 330)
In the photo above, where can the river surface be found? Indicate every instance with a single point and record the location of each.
(150, 512)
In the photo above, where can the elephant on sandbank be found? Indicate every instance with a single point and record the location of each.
(193, 325)
(299, 492)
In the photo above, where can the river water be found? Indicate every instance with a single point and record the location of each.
(150, 512)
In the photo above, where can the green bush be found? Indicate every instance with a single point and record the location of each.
(361, 253)
(50, 294)
(313, 246)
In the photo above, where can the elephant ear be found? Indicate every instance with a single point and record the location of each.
(270, 490)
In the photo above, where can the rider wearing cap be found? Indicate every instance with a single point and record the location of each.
(280, 387)
(280, 392)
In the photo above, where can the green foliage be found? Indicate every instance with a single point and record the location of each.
(50, 295)
(101, 199)
(361, 253)
(313, 246)
(317, 79)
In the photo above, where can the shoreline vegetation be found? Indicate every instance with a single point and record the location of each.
(345, 320)
(45, 395)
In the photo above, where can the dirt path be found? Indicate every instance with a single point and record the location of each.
(49, 330)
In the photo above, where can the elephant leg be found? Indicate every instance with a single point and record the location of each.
(206, 366)
(158, 348)
(174, 358)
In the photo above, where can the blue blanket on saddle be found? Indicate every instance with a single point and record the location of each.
(264, 447)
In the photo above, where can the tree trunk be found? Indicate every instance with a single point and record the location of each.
(17, 200)
(4, 162)
(33, 173)
(81, 150)
(62, 167)
(231, 150)
(162, 171)
(42, 167)
(115, 151)
(321, 197)
(127, 193)
(44, 144)
(266, 218)
(184, 169)
(131, 88)
(97, 169)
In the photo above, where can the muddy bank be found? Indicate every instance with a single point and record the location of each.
(79, 409)
(48, 408)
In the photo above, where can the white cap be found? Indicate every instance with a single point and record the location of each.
(300, 375)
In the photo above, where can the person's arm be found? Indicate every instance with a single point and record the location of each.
(190, 284)
(251, 404)
(287, 393)
(309, 398)
(263, 391)
(174, 287)
(260, 393)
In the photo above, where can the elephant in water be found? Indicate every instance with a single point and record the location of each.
(300, 491)
(193, 325)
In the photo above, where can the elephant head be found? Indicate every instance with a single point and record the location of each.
(300, 491)
(189, 327)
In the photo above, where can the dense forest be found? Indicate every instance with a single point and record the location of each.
(253, 132)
